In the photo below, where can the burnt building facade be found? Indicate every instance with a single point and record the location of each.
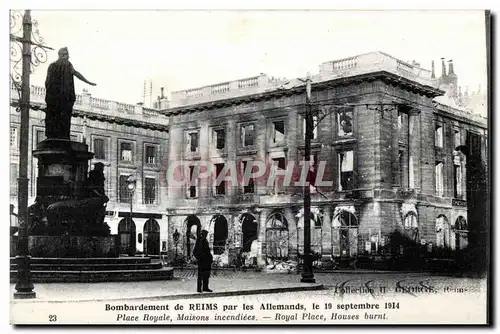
(394, 159)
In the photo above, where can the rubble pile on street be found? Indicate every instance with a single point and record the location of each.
(281, 267)
(221, 260)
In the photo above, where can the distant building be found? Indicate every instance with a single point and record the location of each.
(475, 102)
(154, 94)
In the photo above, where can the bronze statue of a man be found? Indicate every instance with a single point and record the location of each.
(60, 96)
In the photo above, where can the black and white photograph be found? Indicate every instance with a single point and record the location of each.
(249, 167)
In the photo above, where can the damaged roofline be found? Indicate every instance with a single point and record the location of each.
(388, 77)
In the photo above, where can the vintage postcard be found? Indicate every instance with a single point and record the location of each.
(243, 167)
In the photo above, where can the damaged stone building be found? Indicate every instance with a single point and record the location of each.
(396, 154)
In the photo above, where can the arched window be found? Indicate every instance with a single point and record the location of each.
(249, 230)
(345, 235)
(316, 233)
(461, 233)
(410, 225)
(193, 230)
(126, 236)
(347, 219)
(220, 234)
(152, 237)
(277, 236)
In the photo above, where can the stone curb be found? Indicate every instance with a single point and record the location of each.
(364, 271)
(319, 271)
(308, 287)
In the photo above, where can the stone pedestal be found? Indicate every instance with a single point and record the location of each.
(62, 169)
(67, 219)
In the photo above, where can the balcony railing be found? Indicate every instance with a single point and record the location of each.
(149, 111)
(405, 67)
(219, 89)
(124, 107)
(193, 93)
(246, 83)
(344, 63)
(85, 102)
(38, 90)
(99, 103)
(230, 89)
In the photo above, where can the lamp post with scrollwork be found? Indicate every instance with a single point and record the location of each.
(27, 52)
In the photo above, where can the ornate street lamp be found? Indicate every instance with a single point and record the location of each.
(131, 185)
(307, 274)
(176, 236)
(27, 52)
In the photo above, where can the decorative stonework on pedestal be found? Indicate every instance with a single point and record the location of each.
(67, 206)
(62, 169)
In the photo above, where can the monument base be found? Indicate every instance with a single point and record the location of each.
(90, 270)
(72, 246)
(25, 295)
(68, 201)
(62, 170)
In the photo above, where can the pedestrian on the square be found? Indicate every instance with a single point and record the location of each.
(204, 258)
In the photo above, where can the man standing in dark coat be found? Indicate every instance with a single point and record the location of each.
(204, 257)
(60, 96)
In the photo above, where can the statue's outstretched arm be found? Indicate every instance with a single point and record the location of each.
(81, 77)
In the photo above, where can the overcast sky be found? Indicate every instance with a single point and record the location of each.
(186, 49)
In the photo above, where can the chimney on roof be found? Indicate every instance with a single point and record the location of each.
(460, 91)
(443, 68)
(450, 67)
(433, 73)
(162, 92)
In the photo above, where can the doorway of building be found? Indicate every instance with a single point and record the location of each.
(152, 237)
(277, 237)
(193, 230)
(220, 234)
(126, 236)
(345, 235)
(316, 226)
(249, 230)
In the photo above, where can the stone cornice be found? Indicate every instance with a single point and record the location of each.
(387, 77)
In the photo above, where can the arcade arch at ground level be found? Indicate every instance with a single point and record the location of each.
(341, 231)
(150, 228)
